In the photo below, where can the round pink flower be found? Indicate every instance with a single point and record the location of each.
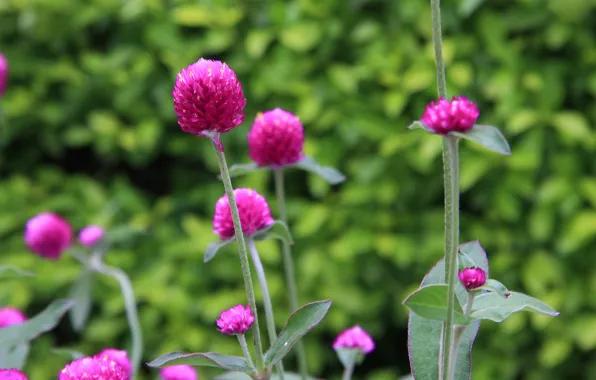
(12, 374)
(91, 235)
(276, 138)
(445, 116)
(354, 338)
(236, 320)
(10, 316)
(102, 368)
(178, 372)
(48, 235)
(119, 356)
(253, 209)
(3, 74)
(472, 278)
(208, 99)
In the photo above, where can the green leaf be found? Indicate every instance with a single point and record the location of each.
(278, 230)
(496, 287)
(45, 321)
(300, 322)
(420, 125)
(329, 174)
(430, 302)
(244, 376)
(464, 260)
(213, 248)
(424, 335)
(488, 136)
(14, 357)
(241, 169)
(13, 272)
(494, 307)
(208, 359)
(80, 293)
(68, 354)
(349, 356)
(121, 234)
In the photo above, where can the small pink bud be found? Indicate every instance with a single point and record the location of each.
(91, 235)
(354, 338)
(253, 210)
(445, 116)
(236, 320)
(119, 356)
(276, 138)
(12, 374)
(178, 372)
(11, 316)
(208, 99)
(48, 235)
(3, 74)
(87, 367)
(472, 278)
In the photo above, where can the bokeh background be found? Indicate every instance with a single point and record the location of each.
(89, 131)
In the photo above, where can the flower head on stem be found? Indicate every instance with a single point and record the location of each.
(3, 74)
(236, 320)
(354, 338)
(91, 235)
(12, 374)
(48, 235)
(178, 372)
(472, 277)
(446, 116)
(119, 356)
(252, 207)
(11, 316)
(94, 368)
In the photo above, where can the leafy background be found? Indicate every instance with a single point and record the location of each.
(89, 131)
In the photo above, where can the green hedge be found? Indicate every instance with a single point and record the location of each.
(89, 131)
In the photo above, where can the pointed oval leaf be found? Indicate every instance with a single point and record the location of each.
(45, 321)
(14, 272)
(14, 357)
(496, 287)
(420, 125)
(300, 322)
(496, 308)
(80, 293)
(430, 302)
(278, 230)
(213, 248)
(424, 335)
(68, 354)
(208, 359)
(329, 174)
(241, 169)
(488, 136)
(244, 376)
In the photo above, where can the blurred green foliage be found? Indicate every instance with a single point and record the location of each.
(90, 132)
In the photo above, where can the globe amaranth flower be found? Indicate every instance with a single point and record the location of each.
(354, 338)
(3, 74)
(119, 356)
(100, 368)
(236, 320)
(208, 99)
(11, 316)
(446, 116)
(276, 138)
(48, 235)
(472, 277)
(178, 372)
(91, 235)
(253, 210)
(12, 374)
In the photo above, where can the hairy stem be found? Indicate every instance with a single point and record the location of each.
(245, 351)
(250, 292)
(289, 266)
(348, 371)
(459, 333)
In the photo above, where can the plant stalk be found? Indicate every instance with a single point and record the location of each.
(250, 292)
(245, 351)
(348, 371)
(289, 271)
(459, 333)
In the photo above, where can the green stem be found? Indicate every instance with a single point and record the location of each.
(131, 310)
(348, 371)
(250, 293)
(459, 333)
(245, 351)
(278, 176)
(438, 47)
(269, 318)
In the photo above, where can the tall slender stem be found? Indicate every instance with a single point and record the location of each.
(256, 260)
(289, 271)
(459, 333)
(245, 351)
(438, 47)
(348, 371)
(250, 292)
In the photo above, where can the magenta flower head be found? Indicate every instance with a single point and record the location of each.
(12, 374)
(91, 235)
(208, 99)
(3, 74)
(48, 235)
(472, 278)
(276, 138)
(354, 338)
(253, 209)
(236, 320)
(10, 316)
(119, 356)
(178, 372)
(102, 368)
(446, 116)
